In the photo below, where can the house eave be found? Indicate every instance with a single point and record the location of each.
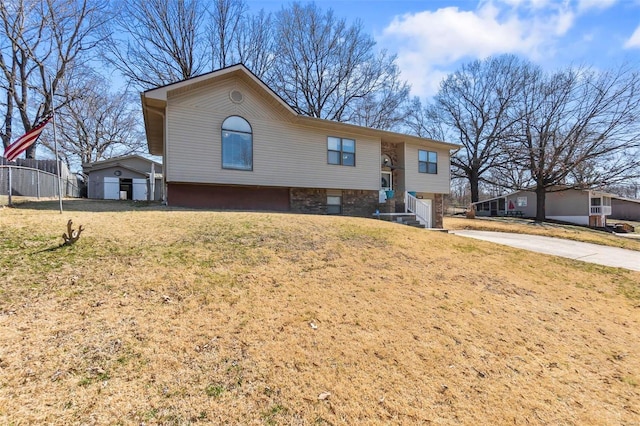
(153, 111)
(384, 135)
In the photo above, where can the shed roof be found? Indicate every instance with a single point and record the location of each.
(117, 161)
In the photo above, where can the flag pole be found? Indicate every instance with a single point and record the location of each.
(9, 193)
(55, 144)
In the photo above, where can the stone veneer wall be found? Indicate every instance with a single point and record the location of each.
(438, 207)
(303, 200)
(387, 148)
(391, 150)
(359, 202)
(354, 202)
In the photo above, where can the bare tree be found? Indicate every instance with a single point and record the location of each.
(39, 42)
(577, 128)
(96, 123)
(156, 42)
(473, 103)
(255, 43)
(224, 31)
(385, 108)
(323, 65)
(424, 121)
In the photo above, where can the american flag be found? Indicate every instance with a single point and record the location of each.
(26, 140)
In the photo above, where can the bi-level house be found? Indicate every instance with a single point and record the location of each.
(230, 142)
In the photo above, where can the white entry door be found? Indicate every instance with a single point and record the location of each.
(111, 188)
(140, 189)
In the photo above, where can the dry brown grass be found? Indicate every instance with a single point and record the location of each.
(161, 316)
(526, 226)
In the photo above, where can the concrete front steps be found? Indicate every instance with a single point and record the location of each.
(408, 219)
(412, 221)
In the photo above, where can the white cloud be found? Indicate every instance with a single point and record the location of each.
(429, 43)
(634, 41)
(585, 5)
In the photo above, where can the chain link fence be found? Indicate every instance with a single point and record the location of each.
(30, 182)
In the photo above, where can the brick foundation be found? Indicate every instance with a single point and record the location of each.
(304, 200)
(359, 202)
(354, 202)
(228, 197)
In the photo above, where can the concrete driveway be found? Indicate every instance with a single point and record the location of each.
(594, 253)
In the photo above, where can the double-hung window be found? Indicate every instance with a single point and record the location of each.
(428, 162)
(237, 144)
(341, 151)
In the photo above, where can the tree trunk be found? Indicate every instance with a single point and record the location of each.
(31, 151)
(474, 184)
(6, 134)
(541, 193)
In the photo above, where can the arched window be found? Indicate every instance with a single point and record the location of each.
(237, 144)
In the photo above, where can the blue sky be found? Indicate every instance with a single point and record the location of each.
(432, 37)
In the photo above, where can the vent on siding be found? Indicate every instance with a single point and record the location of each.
(236, 96)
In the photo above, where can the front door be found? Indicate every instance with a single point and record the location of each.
(385, 181)
(385, 185)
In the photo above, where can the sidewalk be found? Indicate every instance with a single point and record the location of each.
(586, 252)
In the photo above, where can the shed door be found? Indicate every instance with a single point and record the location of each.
(111, 188)
(140, 189)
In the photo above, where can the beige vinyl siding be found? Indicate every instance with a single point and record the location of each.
(214, 96)
(284, 153)
(424, 182)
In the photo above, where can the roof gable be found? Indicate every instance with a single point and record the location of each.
(154, 104)
(239, 71)
(130, 162)
(233, 94)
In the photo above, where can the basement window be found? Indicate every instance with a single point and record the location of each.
(334, 204)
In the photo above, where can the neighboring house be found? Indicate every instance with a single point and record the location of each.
(625, 209)
(582, 207)
(229, 142)
(131, 177)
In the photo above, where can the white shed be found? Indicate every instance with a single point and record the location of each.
(124, 178)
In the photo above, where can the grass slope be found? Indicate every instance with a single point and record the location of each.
(161, 316)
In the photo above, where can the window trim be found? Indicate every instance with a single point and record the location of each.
(427, 163)
(222, 144)
(341, 152)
